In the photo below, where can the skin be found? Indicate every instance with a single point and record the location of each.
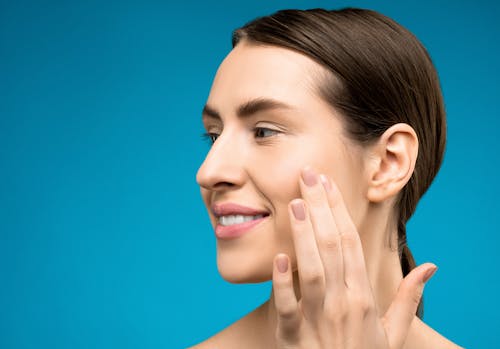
(337, 280)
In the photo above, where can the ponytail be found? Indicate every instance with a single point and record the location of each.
(407, 261)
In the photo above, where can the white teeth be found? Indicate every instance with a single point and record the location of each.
(237, 219)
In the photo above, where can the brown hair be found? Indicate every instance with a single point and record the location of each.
(381, 75)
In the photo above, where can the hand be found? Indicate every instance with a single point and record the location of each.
(337, 308)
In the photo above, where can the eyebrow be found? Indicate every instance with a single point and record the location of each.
(249, 108)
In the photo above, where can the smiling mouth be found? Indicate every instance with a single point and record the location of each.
(234, 220)
(232, 226)
(229, 220)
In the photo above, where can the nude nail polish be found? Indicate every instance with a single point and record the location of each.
(326, 183)
(309, 177)
(282, 264)
(429, 273)
(299, 210)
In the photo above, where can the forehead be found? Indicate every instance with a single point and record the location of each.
(255, 71)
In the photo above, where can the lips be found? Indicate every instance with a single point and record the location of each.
(225, 209)
(236, 230)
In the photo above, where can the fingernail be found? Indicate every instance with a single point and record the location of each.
(282, 263)
(299, 210)
(429, 273)
(326, 183)
(308, 176)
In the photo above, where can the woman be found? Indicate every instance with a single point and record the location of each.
(327, 127)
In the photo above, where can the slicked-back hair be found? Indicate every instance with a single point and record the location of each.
(381, 75)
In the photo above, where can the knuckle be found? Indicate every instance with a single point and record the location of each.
(287, 312)
(350, 238)
(313, 278)
(287, 329)
(366, 307)
(341, 318)
(362, 304)
(287, 334)
(332, 310)
(330, 244)
(337, 311)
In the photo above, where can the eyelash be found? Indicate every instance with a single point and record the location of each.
(212, 137)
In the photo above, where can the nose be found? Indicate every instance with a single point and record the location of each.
(223, 167)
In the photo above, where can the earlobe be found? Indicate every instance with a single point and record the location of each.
(392, 162)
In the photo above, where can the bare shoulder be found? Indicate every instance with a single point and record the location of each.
(423, 336)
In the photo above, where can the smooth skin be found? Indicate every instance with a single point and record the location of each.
(337, 308)
(328, 243)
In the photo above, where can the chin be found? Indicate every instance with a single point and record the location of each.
(243, 273)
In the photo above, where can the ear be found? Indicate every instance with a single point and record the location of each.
(392, 161)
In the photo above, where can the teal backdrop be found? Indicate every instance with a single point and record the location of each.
(104, 241)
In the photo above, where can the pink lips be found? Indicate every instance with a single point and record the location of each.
(236, 230)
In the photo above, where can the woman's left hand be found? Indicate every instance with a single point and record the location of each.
(337, 309)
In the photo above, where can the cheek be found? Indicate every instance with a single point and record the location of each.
(278, 181)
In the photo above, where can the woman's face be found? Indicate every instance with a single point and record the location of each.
(270, 123)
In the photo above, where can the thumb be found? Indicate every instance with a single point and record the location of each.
(401, 312)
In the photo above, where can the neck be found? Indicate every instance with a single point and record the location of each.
(382, 265)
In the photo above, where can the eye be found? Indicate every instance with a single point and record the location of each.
(262, 132)
(210, 137)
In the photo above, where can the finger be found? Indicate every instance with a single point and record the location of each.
(284, 297)
(355, 275)
(310, 268)
(401, 312)
(314, 190)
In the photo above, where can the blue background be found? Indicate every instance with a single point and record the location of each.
(104, 241)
